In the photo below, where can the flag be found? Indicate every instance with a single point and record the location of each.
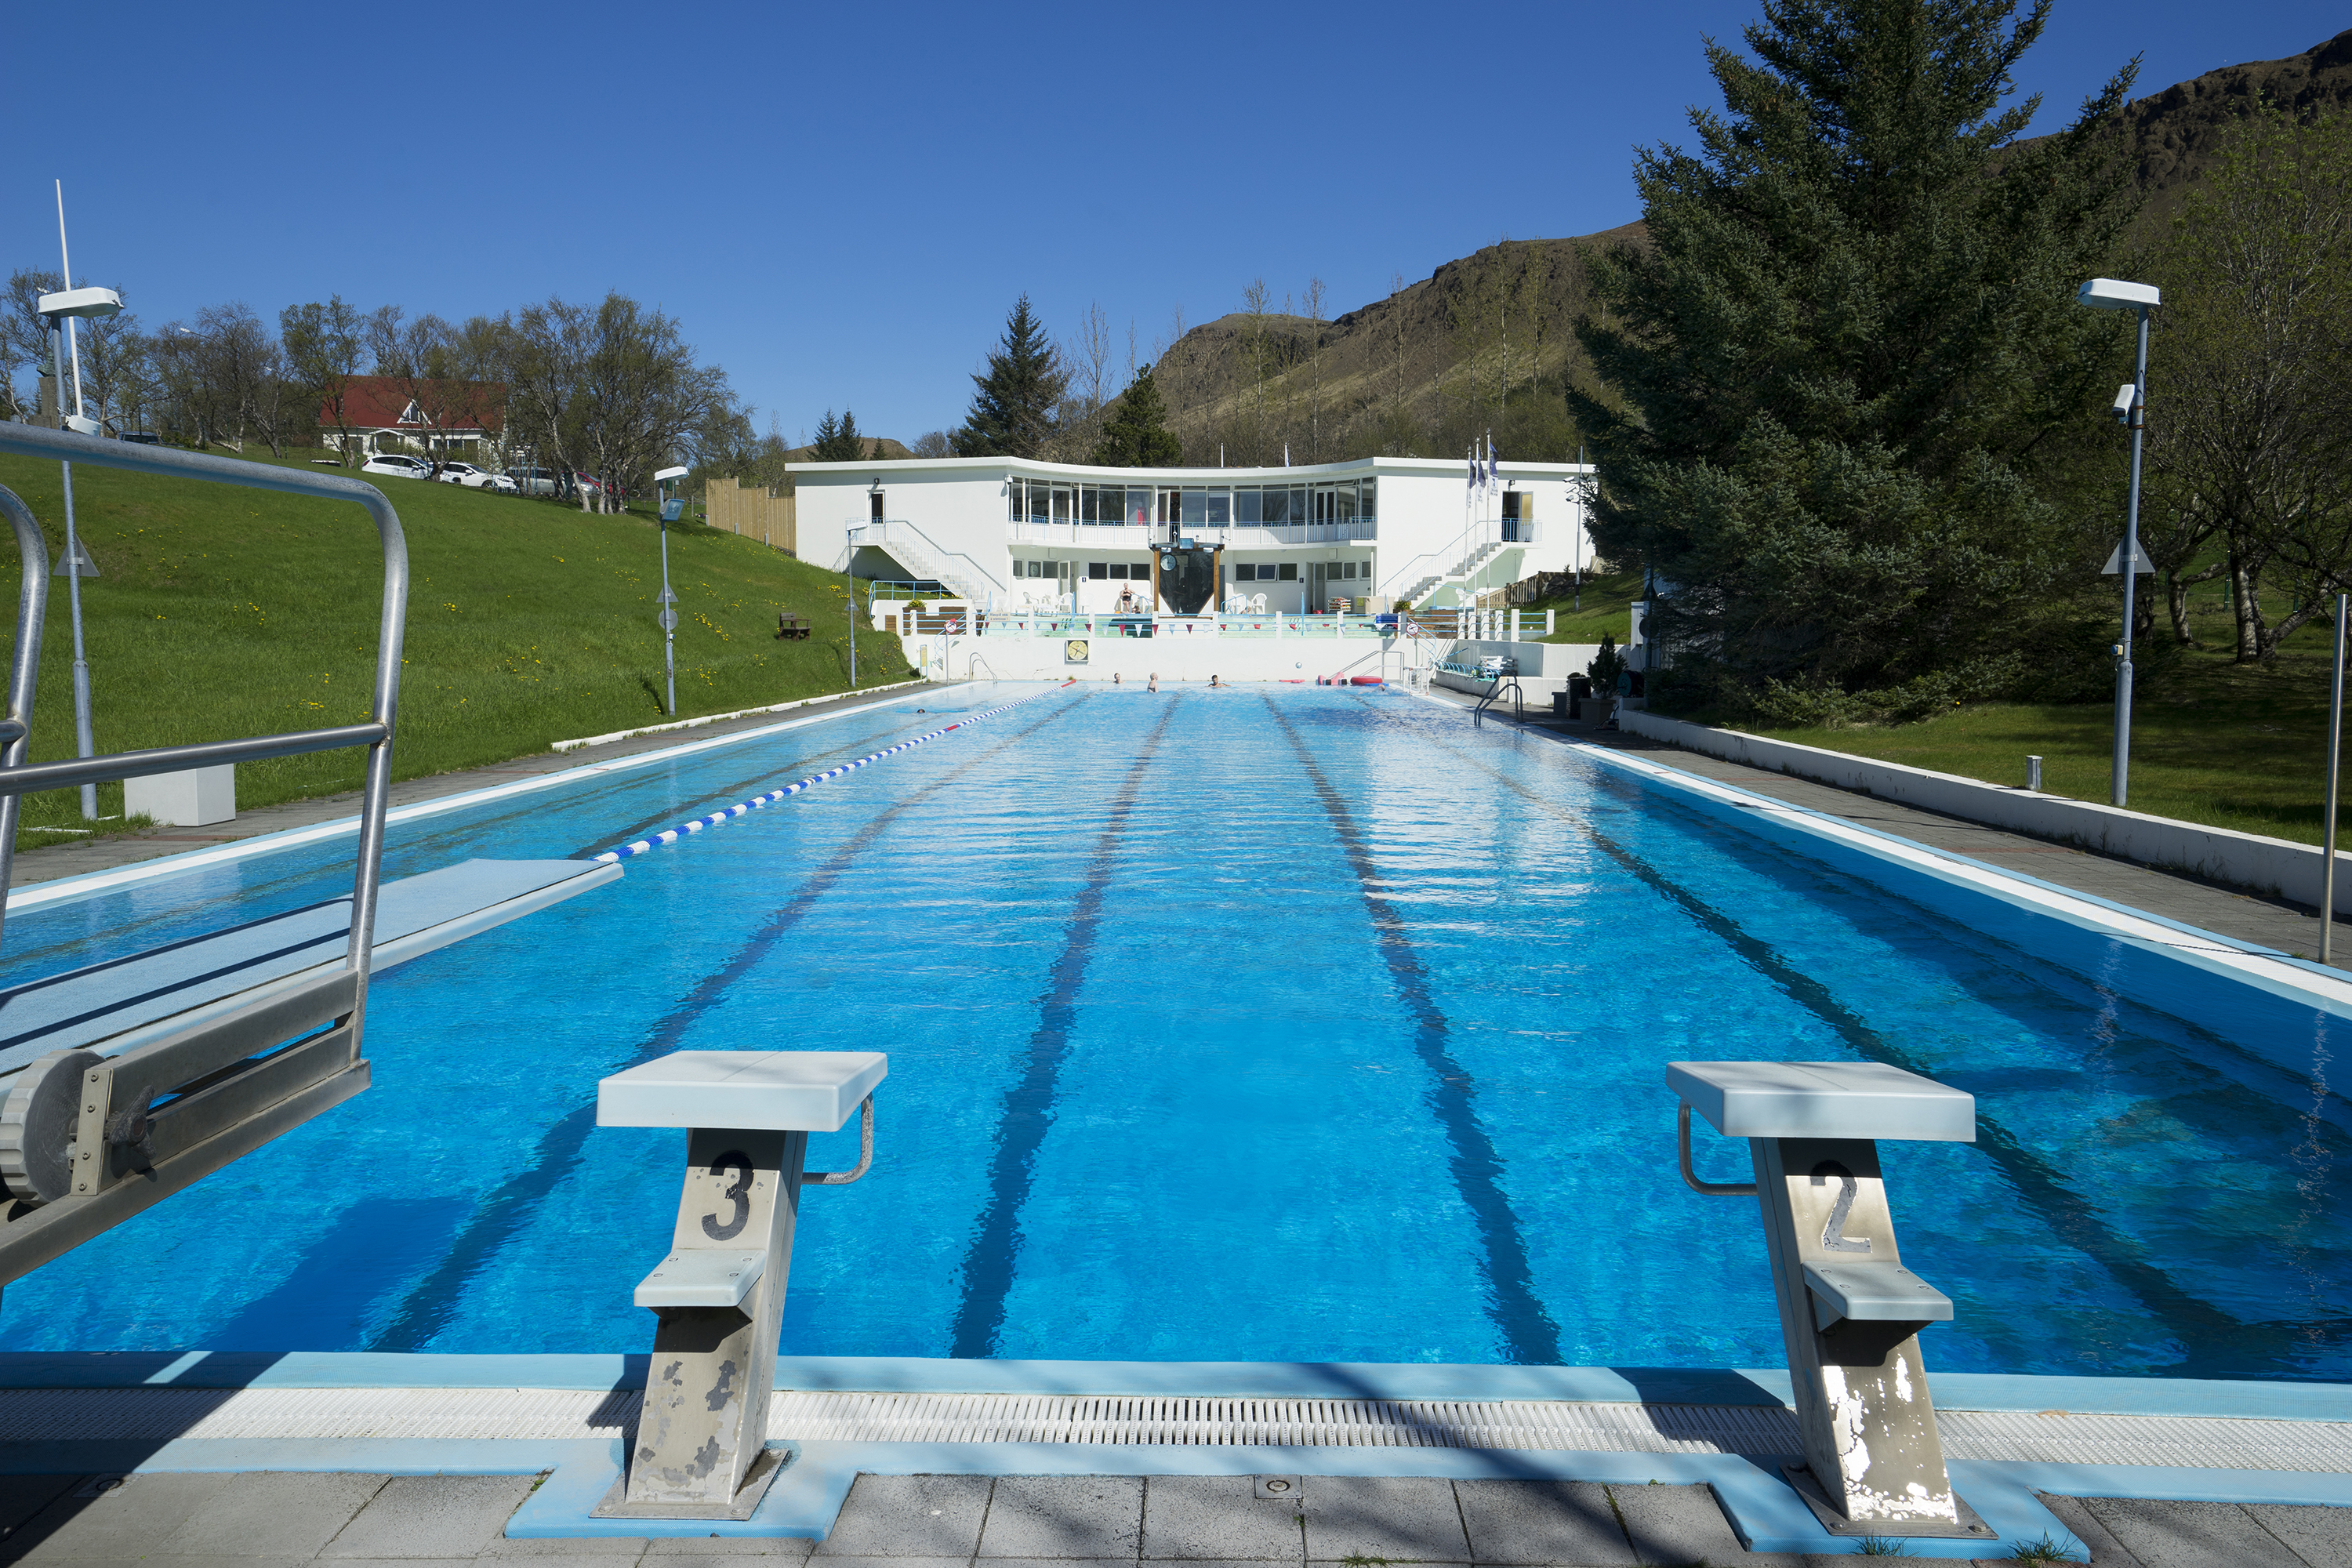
(1474, 471)
(1494, 470)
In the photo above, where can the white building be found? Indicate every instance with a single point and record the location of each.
(1007, 533)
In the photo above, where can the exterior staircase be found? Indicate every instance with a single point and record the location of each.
(921, 559)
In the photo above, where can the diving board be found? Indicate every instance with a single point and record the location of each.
(116, 1005)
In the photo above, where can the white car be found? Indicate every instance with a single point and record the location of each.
(498, 484)
(462, 474)
(397, 465)
(533, 481)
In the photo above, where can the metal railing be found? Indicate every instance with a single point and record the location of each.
(901, 537)
(158, 1116)
(1232, 535)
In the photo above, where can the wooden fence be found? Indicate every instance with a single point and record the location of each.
(760, 514)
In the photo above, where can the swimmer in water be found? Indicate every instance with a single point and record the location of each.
(1153, 685)
(1213, 683)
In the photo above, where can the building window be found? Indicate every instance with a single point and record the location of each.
(1286, 573)
(1221, 510)
(873, 505)
(1098, 570)
(1118, 571)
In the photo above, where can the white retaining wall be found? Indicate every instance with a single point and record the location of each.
(2250, 860)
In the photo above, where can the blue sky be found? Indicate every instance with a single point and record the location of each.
(840, 205)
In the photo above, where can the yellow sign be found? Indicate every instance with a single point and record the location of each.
(1074, 651)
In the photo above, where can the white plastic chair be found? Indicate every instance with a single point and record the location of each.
(1257, 604)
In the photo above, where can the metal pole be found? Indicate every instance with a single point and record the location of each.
(670, 616)
(853, 633)
(84, 744)
(2334, 754)
(2121, 787)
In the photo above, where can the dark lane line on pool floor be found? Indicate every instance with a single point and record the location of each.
(431, 1304)
(1030, 1103)
(2199, 1325)
(1527, 1324)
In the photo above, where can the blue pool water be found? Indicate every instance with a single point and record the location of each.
(1317, 1026)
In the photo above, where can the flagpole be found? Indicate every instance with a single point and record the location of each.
(84, 743)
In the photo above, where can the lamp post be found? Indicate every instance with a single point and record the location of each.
(671, 507)
(60, 310)
(2131, 406)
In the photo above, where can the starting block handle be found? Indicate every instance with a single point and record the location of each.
(1683, 1151)
(864, 1154)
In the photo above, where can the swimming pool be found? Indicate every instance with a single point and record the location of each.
(1305, 1024)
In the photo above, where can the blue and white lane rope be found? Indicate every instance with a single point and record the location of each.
(672, 834)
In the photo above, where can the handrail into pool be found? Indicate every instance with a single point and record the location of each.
(89, 1138)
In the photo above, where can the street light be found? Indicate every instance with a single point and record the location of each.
(2114, 294)
(61, 309)
(672, 506)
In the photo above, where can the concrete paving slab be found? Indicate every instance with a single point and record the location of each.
(2320, 1536)
(2189, 1534)
(1405, 1519)
(605, 1549)
(1065, 1517)
(129, 1521)
(23, 1497)
(2076, 1516)
(713, 1554)
(431, 1516)
(770, 1549)
(272, 1513)
(909, 1516)
(1543, 1521)
(1674, 1525)
(1206, 1518)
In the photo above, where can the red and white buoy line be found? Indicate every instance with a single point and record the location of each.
(672, 834)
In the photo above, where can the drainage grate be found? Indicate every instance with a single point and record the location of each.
(31, 1415)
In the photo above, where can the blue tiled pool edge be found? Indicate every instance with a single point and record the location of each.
(1207, 1380)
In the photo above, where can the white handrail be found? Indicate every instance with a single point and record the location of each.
(877, 531)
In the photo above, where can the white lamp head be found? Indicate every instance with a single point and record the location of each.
(664, 475)
(81, 302)
(2115, 294)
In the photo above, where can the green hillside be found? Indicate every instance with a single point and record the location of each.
(226, 612)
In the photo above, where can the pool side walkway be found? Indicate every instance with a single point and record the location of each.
(51, 862)
(2210, 906)
(257, 1518)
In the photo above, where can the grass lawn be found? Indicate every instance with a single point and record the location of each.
(1607, 601)
(2216, 743)
(226, 612)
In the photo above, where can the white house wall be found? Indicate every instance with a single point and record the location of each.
(957, 511)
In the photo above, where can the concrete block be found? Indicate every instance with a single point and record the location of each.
(2320, 1536)
(1208, 1519)
(1407, 1518)
(431, 1516)
(1686, 1524)
(909, 1516)
(271, 1514)
(1065, 1517)
(707, 1553)
(195, 798)
(1542, 1522)
(2185, 1534)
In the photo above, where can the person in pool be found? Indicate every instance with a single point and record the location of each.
(1153, 684)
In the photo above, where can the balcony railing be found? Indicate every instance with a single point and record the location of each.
(1232, 536)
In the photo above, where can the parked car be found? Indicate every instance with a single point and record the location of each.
(395, 464)
(461, 474)
(533, 481)
(499, 484)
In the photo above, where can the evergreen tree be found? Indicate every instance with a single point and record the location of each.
(1852, 372)
(1137, 434)
(838, 442)
(1013, 412)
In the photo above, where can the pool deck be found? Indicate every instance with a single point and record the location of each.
(76, 858)
(2210, 906)
(67, 1502)
(215, 1521)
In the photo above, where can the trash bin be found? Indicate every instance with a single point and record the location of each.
(1559, 703)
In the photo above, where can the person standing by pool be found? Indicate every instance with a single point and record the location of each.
(1153, 685)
